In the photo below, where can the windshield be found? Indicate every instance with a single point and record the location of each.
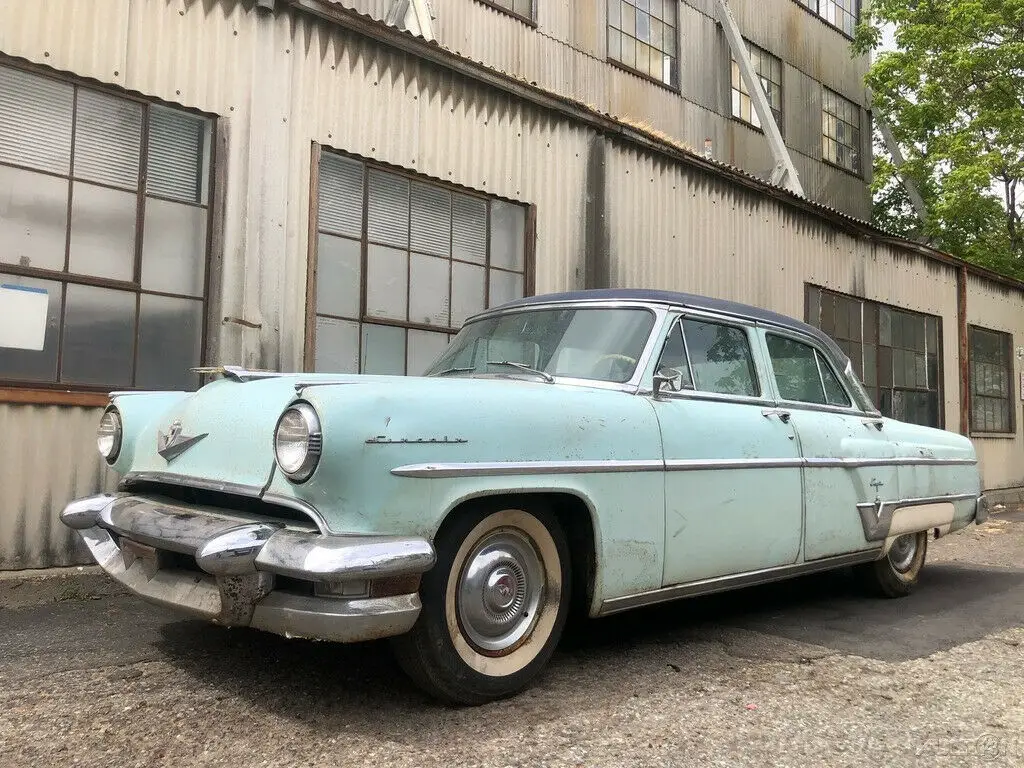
(600, 344)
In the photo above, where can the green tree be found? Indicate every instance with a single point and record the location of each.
(953, 95)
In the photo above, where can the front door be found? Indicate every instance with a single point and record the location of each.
(733, 477)
(849, 457)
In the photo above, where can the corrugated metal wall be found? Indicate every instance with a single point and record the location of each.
(279, 82)
(48, 457)
(1001, 308)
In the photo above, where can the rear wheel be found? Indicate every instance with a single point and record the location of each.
(494, 605)
(896, 574)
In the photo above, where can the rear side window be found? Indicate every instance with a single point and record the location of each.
(802, 374)
(720, 358)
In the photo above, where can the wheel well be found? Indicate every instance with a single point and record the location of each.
(574, 516)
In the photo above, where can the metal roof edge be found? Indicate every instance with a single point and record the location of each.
(435, 53)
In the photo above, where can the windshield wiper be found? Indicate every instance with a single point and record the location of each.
(522, 367)
(447, 371)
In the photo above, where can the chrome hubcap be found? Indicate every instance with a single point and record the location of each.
(500, 590)
(902, 553)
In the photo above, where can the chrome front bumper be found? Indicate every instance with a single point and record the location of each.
(260, 573)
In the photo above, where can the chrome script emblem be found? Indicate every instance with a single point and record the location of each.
(173, 444)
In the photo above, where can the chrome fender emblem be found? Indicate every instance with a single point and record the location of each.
(174, 443)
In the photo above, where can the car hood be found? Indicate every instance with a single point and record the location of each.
(363, 416)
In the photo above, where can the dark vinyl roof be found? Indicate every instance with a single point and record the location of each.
(685, 300)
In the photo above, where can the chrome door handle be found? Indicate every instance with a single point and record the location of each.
(876, 423)
(783, 415)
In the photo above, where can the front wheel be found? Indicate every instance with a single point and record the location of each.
(494, 605)
(896, 574)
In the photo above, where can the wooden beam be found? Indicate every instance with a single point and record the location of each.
(53, 397)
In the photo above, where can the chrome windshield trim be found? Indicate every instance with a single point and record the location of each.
(515, 468)
(188, 481)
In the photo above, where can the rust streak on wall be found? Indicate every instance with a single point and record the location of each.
(965, 376)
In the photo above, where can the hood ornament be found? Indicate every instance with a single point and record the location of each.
(174, 443)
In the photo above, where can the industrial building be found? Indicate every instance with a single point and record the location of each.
(318, 185)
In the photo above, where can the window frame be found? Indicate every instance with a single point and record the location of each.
(98, 395)
(820, 356)
(816, 13)
(530, 21)
(675, 87)
(312, 255)
(874, 390)
(1010, 399)
(861, 168)
(674, 320)
(780, 118)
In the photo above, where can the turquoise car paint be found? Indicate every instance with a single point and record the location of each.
(760, 508)
(376, 424)
(139, 410)
(680, 487)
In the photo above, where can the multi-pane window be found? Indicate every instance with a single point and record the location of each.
(103, 237)
(991, 371)
(840, 131)
(895, 353)
(842, 14)
(642, 36)
(522, 8)
(402, 263)
(769, 71)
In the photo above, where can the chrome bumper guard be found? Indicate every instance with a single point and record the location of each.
(982, 509)
(239, 561)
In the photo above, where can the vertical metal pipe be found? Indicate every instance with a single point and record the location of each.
(964, 356)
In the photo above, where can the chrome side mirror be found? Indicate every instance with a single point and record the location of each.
(670, 378)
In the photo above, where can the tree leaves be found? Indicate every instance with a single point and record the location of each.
(953, 96)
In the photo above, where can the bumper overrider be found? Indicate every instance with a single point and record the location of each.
(256, 573)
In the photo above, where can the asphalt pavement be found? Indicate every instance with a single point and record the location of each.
(804, 673)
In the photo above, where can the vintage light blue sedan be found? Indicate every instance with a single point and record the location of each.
(596, 451)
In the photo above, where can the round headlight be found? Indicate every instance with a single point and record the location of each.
(297, 442)
(108, 435)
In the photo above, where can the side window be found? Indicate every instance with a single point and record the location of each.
(834, 392)
(802, 374)
(720, 355)
(673, 355)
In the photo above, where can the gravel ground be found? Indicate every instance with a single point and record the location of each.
(806, 673)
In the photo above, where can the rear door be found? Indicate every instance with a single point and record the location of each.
(849, 458)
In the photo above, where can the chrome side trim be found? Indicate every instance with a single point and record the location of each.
(507, 468)
(697, 465)
(511, 468)
(877, 517)
(735, 581)
(187, 481)
(888, 462)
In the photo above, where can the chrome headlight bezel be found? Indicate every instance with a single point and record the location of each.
(299, 470)
(114, 434)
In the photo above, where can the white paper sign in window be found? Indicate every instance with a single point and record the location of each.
(23, 317)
